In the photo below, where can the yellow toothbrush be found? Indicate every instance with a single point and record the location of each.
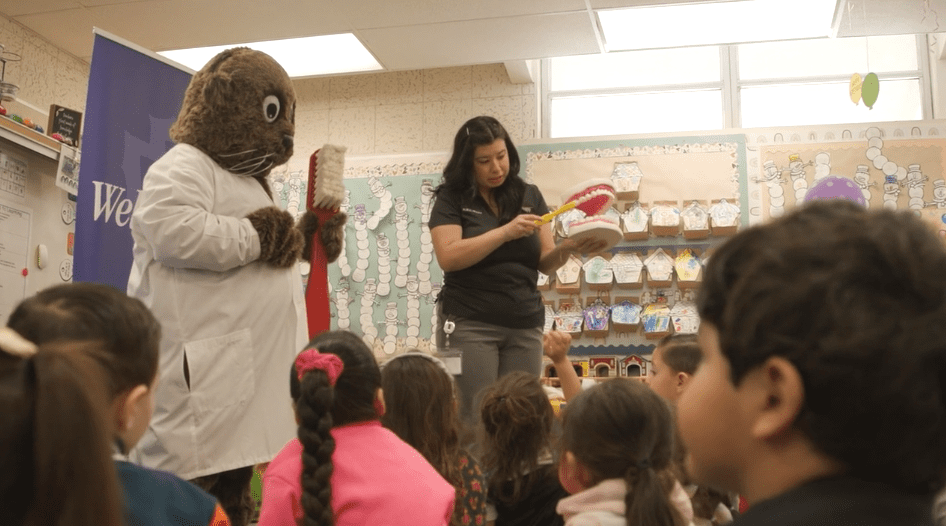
(551, 215)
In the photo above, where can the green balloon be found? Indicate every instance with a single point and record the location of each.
(870, 89)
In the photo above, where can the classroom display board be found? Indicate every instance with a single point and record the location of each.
(678, 197)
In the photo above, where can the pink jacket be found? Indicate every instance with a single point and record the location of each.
(377, 479)
(603, 505)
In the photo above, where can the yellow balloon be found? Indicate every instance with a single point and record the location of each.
(856, 84)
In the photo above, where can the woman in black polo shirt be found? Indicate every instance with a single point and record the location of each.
(490, 250)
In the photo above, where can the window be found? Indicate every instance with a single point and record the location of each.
(803, 82)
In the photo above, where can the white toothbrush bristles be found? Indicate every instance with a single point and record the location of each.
(329, 189)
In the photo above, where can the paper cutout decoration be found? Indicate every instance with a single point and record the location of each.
(835, 187)
(627, 268)
(656, 319)
(855, 88)
(543, 282)
(695, 219)
(596, 316)
(634, 222)
(563, 221)
(659, 266)
(626, 178)
(870, 89)
(570, 272)
(723, 214)
(549, 318)
(626, 313)
(684, 317)
(569, 318)
(598, 272)
(665, 220)
(688, 267)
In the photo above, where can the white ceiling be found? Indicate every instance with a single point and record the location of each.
(402, 34)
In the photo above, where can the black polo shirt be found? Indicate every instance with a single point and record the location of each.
(500, 289)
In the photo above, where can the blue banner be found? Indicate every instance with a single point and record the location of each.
(133, 99)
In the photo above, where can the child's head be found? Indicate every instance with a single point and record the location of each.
(122, 326)
(421, 407)
(333, 382)
(824, 337)
(420, 398)
(673, 363)
(620, 429)
(516, 430)
(55, 451)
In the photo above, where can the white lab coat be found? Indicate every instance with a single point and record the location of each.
(239, 322)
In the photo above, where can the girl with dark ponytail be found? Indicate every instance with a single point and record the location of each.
(55, 455)
(345, 468)
(617, 445)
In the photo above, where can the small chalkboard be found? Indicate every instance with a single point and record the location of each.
(65, 122)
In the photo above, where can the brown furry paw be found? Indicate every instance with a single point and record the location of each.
(280, 242)
(308, 226)
(332, 235)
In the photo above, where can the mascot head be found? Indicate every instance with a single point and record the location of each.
(240, 110)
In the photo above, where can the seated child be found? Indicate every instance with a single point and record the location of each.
(345, 468)
(55, 456)
(516, 439)
(617, 444)
(421, 403)
(673, 363)
(822, 393)
(129, 336)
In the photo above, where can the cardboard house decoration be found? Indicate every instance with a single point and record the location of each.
(598, 273)
(628, 270)
(695, 219)
(626, 315)
(596, 317)
(724, 218)
(635, 222)
(603, 366)
(656, 319)
(544, 282)
(549, 318)
(684, 317)
(626, 178)
(569, 317)
(659, 269)
(665, 218)
(568, 276)
(689, 269)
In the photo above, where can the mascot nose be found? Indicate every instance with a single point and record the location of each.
(287, 141)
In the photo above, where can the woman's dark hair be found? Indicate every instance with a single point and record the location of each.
(421, 408)
(516, 430)
(55, 450)
(855, 299)
(459, 175)
(320, 407)
(680, 352)
(621, 429)
(126, 330)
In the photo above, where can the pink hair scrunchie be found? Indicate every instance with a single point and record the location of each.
(310, 359)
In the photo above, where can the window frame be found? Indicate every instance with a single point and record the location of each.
(731, 86)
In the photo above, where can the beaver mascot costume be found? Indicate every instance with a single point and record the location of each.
(217, 263)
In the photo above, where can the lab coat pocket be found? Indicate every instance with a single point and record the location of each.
(221, 378)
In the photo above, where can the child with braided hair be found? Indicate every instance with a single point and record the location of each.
(616, 460)
(345, 468)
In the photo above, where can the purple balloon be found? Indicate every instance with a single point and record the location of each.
(834, 187)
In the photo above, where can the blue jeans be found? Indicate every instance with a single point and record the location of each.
(489, 352)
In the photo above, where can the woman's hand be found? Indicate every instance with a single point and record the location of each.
(521, 226)
(585, 246)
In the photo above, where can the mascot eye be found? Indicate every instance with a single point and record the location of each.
(271, 108)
